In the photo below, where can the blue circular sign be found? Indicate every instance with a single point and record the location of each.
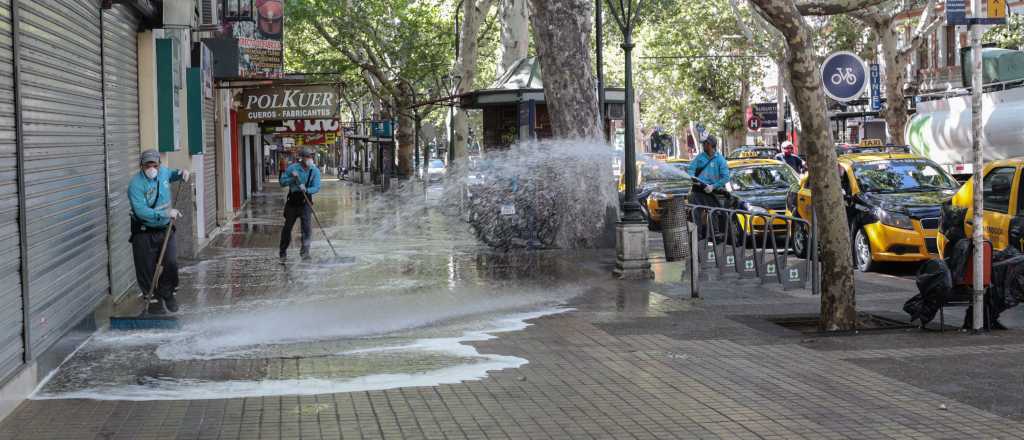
(844, 76)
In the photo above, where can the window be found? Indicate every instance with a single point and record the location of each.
(1020, 195)
(996, 186)
(238, 10)
(902, 176)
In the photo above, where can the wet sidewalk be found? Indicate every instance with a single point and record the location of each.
(425, 334)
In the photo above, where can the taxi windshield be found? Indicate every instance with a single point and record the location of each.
(902, 176)
(761, 177)
(666, 172)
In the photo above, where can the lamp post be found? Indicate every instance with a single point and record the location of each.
(631, 231)
(626, 13)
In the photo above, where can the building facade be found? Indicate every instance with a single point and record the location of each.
(85, 86)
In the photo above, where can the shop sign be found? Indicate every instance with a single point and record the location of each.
(289, 102)
(260, 51)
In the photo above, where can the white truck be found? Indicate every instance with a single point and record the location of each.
(941, 129)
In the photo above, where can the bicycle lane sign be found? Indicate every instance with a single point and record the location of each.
(844, 76)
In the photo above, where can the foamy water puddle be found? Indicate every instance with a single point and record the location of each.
(309, 346)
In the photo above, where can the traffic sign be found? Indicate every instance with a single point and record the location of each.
(844, 76)
(876, 88)
(754, 123)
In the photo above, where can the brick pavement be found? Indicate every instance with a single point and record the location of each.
(633, 361)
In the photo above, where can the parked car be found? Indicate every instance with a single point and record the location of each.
(657, 182)
(1003, 185)
(893, 202)
(435, 170)
(761, 186)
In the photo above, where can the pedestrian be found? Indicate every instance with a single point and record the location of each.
(149, 194)
(710, 173)
(302, 180)
(787, 156)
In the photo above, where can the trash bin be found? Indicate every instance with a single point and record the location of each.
(675, 229)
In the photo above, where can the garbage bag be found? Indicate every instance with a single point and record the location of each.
(959, 257)
(1016, 232)
(933, 283)
(951, 223)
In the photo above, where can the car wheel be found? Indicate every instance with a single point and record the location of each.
(801, 240)
(862, 252)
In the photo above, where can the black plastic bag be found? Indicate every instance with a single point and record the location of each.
(933, 284)
(959, 257)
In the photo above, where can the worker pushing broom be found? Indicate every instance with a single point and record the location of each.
(156, 256)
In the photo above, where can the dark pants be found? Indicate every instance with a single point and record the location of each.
(146, 250)
(703, 215)
(291, 213)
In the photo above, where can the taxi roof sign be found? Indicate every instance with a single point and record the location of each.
(871, 143)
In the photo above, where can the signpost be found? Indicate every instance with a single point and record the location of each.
(844, 76)
(876, 88)
(754, 123)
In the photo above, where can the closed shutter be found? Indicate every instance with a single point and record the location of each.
(121, 115)
(210, 164)
(61, 87)
(12, 346)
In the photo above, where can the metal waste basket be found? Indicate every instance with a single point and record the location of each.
(675, 229)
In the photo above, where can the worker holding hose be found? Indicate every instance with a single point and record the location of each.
(302, 180)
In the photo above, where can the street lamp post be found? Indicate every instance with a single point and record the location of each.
(631, 231)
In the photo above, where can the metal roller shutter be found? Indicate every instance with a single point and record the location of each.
(121, 114)
(12, 346)
(61, 87)
(210, 164)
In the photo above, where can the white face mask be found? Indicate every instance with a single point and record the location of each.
(151, 173)
(309, 163)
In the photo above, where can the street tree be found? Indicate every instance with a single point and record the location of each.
(474, 13)
(515, 33)
(562, 31)
(394, 45)
(896, 54)
(838, 300)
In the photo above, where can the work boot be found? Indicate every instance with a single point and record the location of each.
(155, 307)
(171, 303)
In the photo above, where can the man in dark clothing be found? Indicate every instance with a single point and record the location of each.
(302, 180)
(149, 194)
(787, 156)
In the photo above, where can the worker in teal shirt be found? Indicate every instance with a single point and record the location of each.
(302, 180)
(149, 194)
(709, 168)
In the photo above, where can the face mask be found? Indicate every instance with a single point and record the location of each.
(309, 163)
(151, 173)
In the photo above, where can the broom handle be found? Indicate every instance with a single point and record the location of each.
(321, 226)
(163, 249)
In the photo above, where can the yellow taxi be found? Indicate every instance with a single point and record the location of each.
(1003, 189)
(762, 186)
(657, 182)
(893, 203)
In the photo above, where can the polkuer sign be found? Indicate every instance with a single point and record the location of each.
(844, 76)
(289, 102)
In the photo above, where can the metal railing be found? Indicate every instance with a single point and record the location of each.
(741, 244)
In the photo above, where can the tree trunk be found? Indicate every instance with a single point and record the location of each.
(738, 137)
(895, 79)
(473, 12)
(562, 35)
(838, 304)
(515, 33)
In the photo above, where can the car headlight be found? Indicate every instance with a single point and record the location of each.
(746, 206)
(660, 196)
(894, 219)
